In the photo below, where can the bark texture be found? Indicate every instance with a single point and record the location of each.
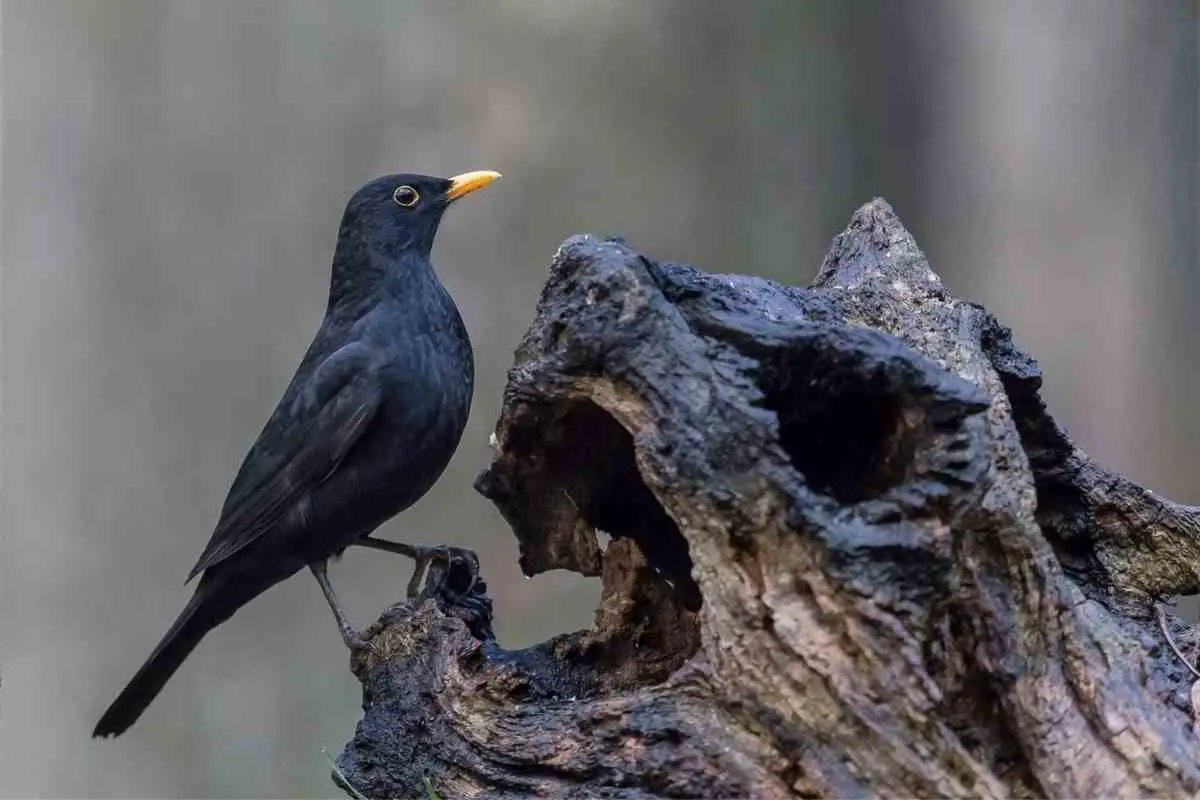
(851, 555)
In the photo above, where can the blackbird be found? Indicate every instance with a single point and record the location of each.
(366, 426)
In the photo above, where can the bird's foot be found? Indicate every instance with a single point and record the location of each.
(442, 570)
(453, 561)
(449, 575)
(353, 639)
(460, 592)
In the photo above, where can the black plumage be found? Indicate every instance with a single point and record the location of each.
(366, 426)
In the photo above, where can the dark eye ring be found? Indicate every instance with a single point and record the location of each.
(406, 196)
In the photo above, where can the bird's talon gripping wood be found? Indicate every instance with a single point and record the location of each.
(425, 556)
(366, 426)
(451, 579)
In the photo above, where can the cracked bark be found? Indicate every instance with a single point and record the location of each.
(852, 554)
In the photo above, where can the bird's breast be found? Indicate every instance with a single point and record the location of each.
(427, 394)
(427, 377)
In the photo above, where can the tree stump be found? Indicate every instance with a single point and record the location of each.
(851, 554)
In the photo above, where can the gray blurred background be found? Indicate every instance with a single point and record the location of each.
(173, 175)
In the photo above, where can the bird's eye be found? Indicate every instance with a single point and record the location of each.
(406, 196)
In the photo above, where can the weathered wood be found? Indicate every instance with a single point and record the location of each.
(852, 555)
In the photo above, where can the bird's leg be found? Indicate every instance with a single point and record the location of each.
(425, 555)
(350, 636)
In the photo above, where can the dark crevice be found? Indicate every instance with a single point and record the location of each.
(595, 461)
(971, 704)
(575, 481)
(576, 476)
(844, 428)
(1063, 512)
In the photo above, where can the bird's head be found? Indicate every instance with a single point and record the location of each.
(400, 213)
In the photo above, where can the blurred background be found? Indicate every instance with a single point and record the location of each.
(173, 176)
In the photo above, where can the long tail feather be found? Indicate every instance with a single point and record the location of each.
(188, 629)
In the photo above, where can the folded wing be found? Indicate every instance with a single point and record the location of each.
(296, 453)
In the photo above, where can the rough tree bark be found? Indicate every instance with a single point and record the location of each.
(851, 555)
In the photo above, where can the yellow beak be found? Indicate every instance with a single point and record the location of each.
(469, 182)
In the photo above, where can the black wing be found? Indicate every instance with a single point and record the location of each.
(294, 454)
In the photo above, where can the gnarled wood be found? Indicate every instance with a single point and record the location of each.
(852, 555)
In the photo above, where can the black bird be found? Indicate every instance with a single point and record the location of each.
(365, 428)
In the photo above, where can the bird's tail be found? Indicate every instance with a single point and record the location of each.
(188, 629)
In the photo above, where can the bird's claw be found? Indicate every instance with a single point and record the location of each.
(353, 639)
(429, 575)
(451, 576)
(451, 572)
(447, 574)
